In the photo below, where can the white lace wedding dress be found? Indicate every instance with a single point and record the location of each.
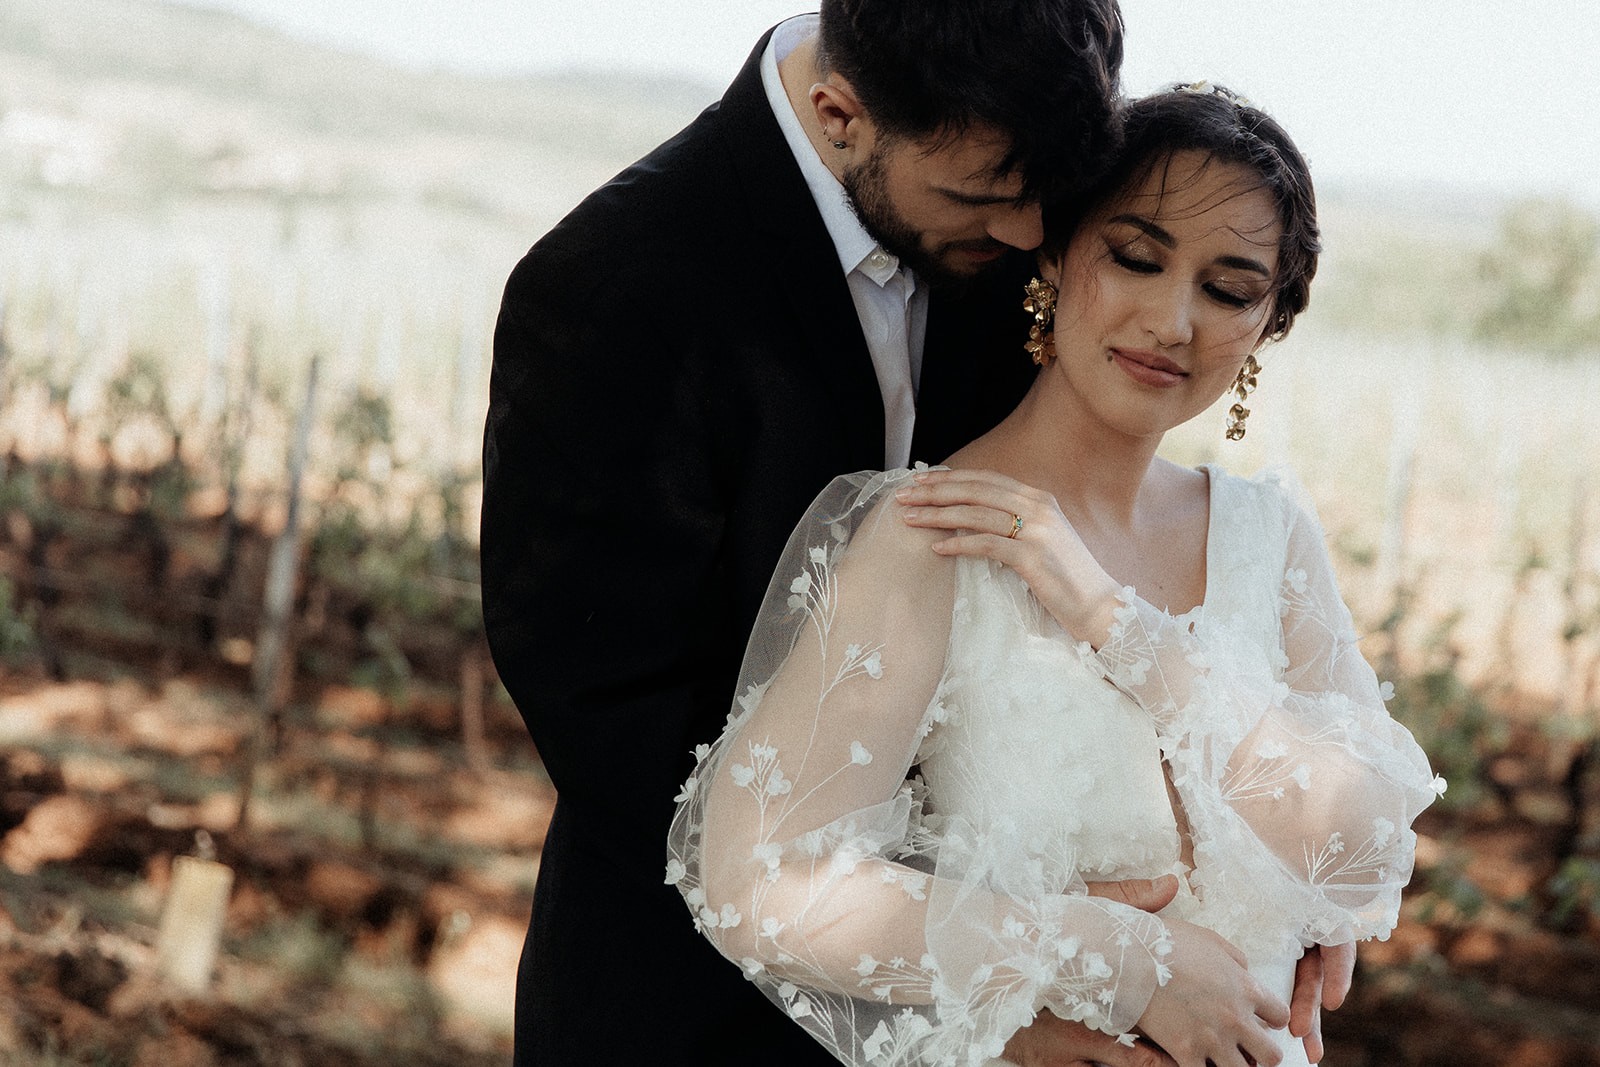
(923, 920)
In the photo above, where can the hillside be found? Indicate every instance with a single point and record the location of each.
(226, 60)
(113, 109)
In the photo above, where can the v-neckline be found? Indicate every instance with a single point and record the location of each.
(1198, 611)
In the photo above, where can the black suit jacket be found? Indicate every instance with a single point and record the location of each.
(678, 370)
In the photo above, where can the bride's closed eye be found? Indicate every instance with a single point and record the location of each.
(1129, 260)
(1230, 295)
(1235, 298)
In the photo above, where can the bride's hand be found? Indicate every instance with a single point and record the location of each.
(1212, 1011)
(1023, 528)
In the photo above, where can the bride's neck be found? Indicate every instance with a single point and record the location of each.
(1095, 473)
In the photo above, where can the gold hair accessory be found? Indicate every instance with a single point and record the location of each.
(1041, 304)
(1016, 525)
(1243, 386)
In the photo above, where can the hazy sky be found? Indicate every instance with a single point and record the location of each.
(1475, 93)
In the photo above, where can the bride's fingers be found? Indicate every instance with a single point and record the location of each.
(1261, 1048)
(974, 474)
(1229, 1058)
(987, 546)
(982, 488)
(1271, 1010)
(960, 517)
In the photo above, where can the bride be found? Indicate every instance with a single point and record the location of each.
(1061, 659)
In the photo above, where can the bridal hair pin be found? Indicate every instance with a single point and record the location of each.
(1041, 304)
(1206, 88)
(1243, 386)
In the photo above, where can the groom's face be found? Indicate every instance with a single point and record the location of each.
(940, 205)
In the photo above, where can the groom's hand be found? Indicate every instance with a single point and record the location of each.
(1053, 1042)
(1146, 894)
(1321, 980)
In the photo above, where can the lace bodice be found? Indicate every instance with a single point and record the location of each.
(923, 920)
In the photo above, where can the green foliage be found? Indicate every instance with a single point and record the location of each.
(1355, 549)
(55, 1054)
(1449, 895)
(17, 626)
(405, 994)
(386, 668)
(170, 486)
(365, 422)
(1575, 891)
(1543, 276)
(298, 946)
(391, 573)
(1450, 718)
(25, 491)
(139, 390)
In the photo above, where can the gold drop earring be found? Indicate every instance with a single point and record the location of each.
(1243, 386)
(1041, 304)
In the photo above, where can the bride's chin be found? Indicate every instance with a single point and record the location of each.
(1139, 424)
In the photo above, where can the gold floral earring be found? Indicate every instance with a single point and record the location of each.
(1243, 386)
(1041, 304)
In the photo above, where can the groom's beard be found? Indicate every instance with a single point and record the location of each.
(867, 185)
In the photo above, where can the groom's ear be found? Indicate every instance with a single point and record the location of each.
(840, 112)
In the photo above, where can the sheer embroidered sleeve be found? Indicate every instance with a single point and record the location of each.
(802, 850)
(1299, 787)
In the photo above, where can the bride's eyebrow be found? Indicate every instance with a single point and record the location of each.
(1155, 233)
(1254, 266)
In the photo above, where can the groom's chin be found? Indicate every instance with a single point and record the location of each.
(958, 273)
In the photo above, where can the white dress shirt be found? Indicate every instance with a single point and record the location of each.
(892, 308)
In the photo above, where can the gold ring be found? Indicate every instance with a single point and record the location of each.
(1016, 525)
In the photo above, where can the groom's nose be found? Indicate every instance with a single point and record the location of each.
(1018, 225)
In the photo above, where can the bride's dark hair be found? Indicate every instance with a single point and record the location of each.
(1227, 129)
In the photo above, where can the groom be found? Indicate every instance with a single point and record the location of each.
(822, 273)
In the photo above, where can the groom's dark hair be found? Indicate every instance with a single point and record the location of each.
(1044, 73)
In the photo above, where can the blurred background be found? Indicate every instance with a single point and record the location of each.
(262, 800)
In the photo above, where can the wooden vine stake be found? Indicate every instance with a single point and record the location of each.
(1393, 584)
(1579, 669)
(272, 644)
(1573, 689)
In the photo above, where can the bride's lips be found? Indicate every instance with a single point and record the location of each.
(1147, 368)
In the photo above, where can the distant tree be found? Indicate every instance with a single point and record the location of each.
(1543, 278)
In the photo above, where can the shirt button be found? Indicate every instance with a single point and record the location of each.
(878, 259)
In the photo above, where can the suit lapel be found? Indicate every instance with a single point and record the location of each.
(792, 256)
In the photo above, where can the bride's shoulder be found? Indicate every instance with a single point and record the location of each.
(1274, 495)
(859, 511)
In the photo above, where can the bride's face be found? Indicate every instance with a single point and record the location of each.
(1164, 292)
